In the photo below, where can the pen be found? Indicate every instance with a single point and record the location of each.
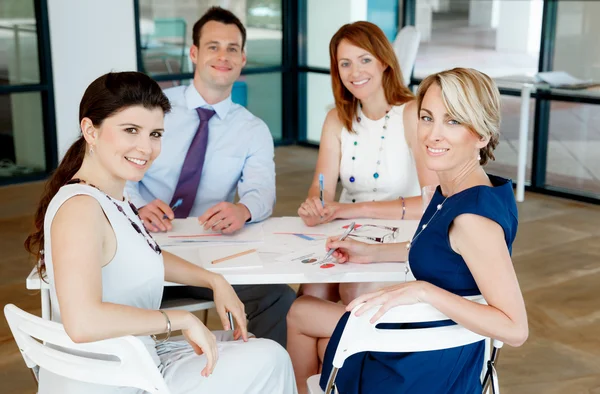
(343, 237)
(321, 187)
(174, 207)
(230, 316)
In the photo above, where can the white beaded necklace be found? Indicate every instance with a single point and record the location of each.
(414, 238)
(438, 208)
(423, 227)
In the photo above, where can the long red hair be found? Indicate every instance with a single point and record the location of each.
(371, 38)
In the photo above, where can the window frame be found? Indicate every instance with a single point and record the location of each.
(46, 90)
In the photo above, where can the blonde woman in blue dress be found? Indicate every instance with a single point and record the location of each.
(462, 247)
(106, 273)
(367, 141)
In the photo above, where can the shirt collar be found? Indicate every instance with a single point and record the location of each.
(194, 100)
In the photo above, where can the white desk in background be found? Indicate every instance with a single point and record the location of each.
(273, 271)
(529, 85)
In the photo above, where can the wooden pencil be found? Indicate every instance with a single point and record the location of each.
(233, 256)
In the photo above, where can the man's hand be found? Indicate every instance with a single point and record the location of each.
(225, 217)
(153, 216)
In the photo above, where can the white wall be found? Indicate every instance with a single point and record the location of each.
(439, 5)
(484, 13)
(319, 100)
(324, 17)
(88, 38)
(423, 19)
(576, 48)
(519, 26)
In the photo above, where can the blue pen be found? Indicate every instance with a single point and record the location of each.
(321, 187)
(174, 207)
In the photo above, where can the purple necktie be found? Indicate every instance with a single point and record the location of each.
(189, 178)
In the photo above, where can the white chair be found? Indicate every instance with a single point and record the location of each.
(131, 365)
(34, 282)
(406, 46)
(360, 336)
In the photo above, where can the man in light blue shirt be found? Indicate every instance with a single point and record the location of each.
(237, 151)
(239, 154)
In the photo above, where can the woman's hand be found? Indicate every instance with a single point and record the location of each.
(311, 211)
(351, 251)
(226, 300)
(203, 341)
(401, 294)
(332, 211)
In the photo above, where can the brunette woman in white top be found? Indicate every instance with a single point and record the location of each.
(367, 141)
(106, 272)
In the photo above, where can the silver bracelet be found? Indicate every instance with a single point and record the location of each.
(168, 329)
(403, 207)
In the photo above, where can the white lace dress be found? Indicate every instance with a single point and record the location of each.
(135, 277)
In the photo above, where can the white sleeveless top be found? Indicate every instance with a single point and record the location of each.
(397, 170)
(135, 275)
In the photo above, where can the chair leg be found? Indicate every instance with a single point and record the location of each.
(46, 309)
(204, 316)
(331, 381)
(491, 375)
(35, 371)
(495, 385)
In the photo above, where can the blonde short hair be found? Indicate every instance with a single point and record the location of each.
(471, 98)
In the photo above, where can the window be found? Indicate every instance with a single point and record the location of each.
(166, 37)
(497, 37)
(166, 33)
(26, 150)
(323, 19)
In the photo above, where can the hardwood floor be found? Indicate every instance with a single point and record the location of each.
(556, 256)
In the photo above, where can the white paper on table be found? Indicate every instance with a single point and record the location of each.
(189, 230)
(284, 243)
(294, 225)
(311, 259)
(313, 253)
(287, 226)
(562, 79)
(208, 254)
(189, 227)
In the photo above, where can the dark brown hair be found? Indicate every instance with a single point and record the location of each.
(371, 38)
(107, 95)
(217, 14)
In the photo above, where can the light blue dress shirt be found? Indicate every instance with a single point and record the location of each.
(239, 153)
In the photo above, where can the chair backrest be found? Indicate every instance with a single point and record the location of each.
(361, 335)
(174, 29)
(406, 46)
(170, 28)
(126, 360)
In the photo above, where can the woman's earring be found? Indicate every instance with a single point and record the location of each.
(478, 157)
(91, 151)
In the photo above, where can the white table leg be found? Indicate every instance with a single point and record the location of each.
(523, 132)
(45, 304)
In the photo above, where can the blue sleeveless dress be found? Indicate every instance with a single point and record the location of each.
(452, 371)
